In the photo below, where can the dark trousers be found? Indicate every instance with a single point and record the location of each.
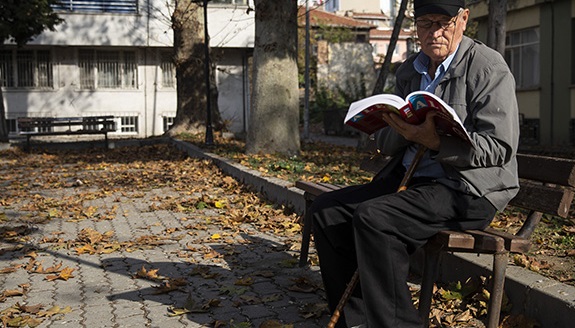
(374, 229)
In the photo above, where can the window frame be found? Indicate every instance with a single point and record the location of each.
(168, 69)
(95, 6)
(515, 57)
(38, 67)
(128, 124)
(102, 69)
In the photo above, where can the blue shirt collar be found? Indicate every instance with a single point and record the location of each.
(421, 64)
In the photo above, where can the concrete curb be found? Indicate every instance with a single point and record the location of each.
(548, 301)
(276, 190)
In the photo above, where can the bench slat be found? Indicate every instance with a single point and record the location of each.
(550, 200)
(513, 243)
(315, 189)
(469, 241)
(535, 167)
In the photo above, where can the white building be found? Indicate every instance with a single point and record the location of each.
(113, 58)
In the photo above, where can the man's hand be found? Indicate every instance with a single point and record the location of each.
(423, 134)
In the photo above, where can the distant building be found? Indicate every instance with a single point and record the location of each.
(540, 50)
(114, 58)
(380, 39)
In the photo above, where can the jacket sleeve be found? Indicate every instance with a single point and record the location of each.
(493, 122)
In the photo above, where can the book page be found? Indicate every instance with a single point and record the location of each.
(368, 105)
(447, 122)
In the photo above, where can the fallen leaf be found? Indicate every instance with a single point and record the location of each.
(246, 281)
(54, 310)
(151, 274)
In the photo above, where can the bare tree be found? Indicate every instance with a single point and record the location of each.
(364, 143)
(384, 71)
(274, 117)
(189, 57)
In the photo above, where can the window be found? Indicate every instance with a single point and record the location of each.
(522, 56)
(168, 122)
(107, 6)
(26, 69)
(230, 2)
(168, 70)
(12, 125)
(332, 5)
(129, 124)
(107, 69)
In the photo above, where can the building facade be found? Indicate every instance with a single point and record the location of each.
(115, 58)
(540, 50)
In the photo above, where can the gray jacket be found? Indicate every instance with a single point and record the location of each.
(481, 89)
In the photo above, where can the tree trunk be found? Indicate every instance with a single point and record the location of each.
(497, 25)
(274, 117)
(3, 126)
(189, 59)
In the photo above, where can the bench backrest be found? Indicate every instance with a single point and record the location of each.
(45, 124)
(547, 186)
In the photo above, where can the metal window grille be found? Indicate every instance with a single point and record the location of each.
(168, 122)
(168, 71)
(129, 124)
(12, 125)
(129, 70)
(86, 63)
(26, 69)
(231, 2)
(106, 6)
(6, 69)
(44, 73)
(107, 69)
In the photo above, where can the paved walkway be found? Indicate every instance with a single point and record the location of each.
(224, 274)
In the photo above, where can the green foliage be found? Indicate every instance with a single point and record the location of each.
(292, 164)
(472, 29)
(334, 34)
(339, 97)
(22, 20)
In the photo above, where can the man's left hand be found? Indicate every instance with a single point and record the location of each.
(423, 134)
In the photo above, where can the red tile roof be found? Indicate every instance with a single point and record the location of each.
(317, 17)
(386, 34)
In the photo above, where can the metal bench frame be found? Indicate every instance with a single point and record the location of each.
(44, 126)
(547, 185)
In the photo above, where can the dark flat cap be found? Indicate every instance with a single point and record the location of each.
(443, 7)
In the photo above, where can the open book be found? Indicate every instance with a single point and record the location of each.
(365, 114)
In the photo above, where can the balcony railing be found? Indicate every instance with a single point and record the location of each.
(101, 6)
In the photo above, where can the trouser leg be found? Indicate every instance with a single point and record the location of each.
(332, 215)
(389, 228)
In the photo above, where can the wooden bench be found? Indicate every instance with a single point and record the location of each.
(546, 188)
(52, 126)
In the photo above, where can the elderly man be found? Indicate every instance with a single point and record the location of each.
(373, 228)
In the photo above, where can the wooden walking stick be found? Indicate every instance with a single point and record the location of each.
(355, 278)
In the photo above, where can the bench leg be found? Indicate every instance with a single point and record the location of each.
(305, 238)
(430, 271)
(499, 268)
(28, 149)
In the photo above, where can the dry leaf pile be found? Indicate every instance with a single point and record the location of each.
(77, 187)
(89, 186)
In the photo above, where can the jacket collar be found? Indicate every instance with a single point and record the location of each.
(455, 69)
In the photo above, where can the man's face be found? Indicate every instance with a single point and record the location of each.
(440, 34)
